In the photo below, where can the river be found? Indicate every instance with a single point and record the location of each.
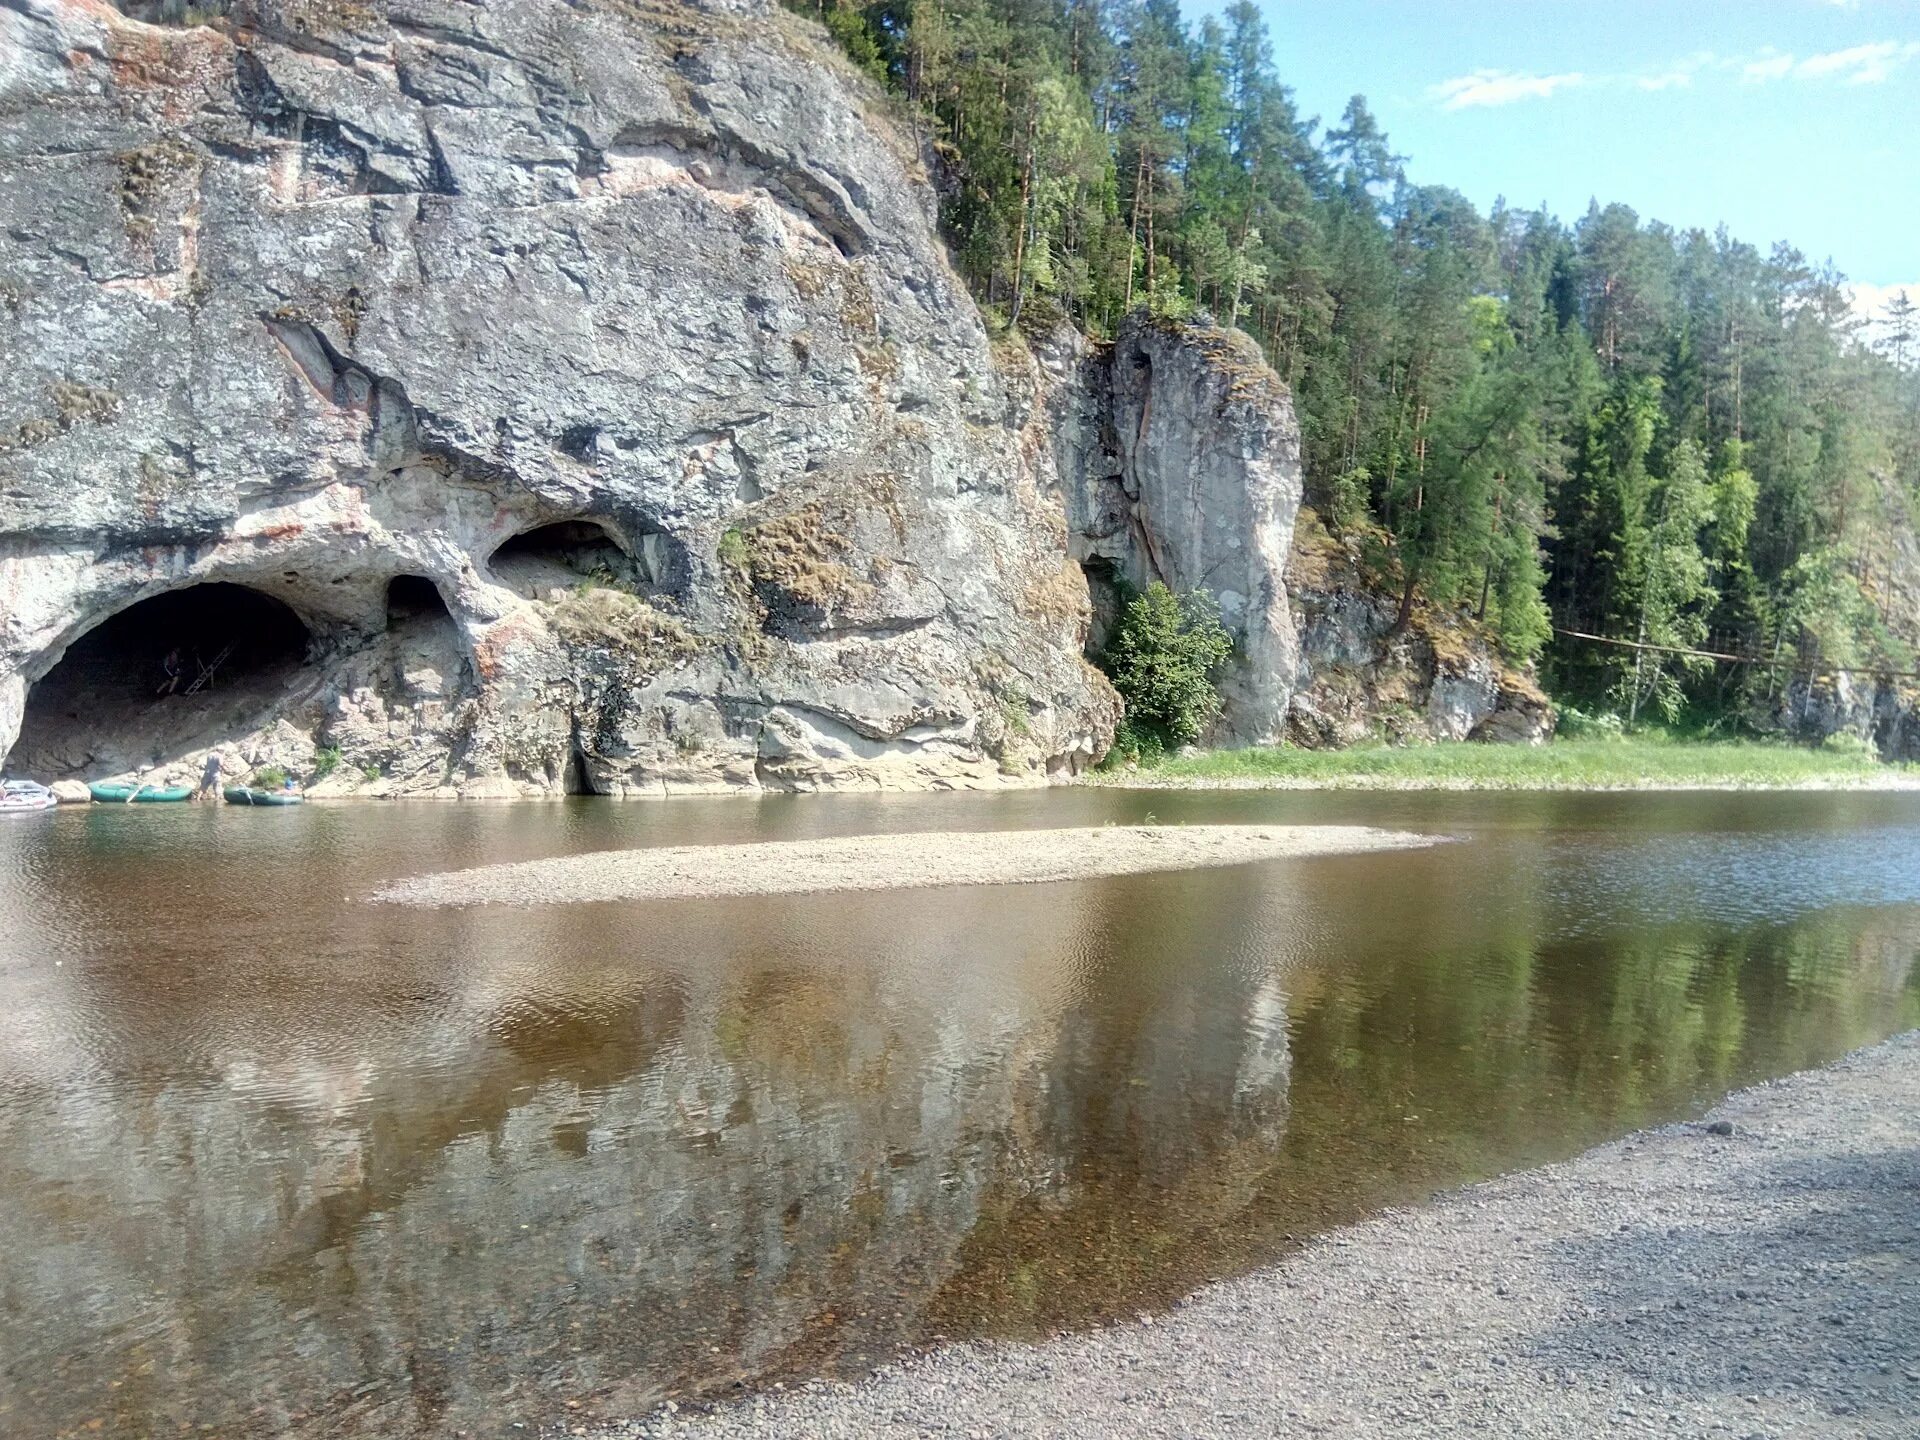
(275, 1159)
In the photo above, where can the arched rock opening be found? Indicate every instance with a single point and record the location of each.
(165, 676)
(412, 599)
(565, 553)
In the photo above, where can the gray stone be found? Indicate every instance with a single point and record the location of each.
(1365, 675)
(348, 295)
(1878, 711)
(1179, 458)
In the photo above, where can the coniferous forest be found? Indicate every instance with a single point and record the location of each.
(1602, 425)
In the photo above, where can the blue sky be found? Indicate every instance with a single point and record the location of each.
(1787, 119)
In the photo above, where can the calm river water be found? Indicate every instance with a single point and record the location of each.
(276, 1160)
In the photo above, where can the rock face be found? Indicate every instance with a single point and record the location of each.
(1180, 459)
(1361, 678)
(1879, 711)
(588, 383)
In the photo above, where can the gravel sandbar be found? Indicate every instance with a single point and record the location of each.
(887, 862)
(1756, 1276)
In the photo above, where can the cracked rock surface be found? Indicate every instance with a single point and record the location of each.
(352, 294)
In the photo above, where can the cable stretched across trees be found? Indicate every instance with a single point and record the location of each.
(1760, 660)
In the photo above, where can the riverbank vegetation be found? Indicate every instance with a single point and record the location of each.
(1646, 761)
(1662, 437)
(1163, 657)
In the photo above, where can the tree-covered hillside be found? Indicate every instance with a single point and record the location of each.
(1609, 427)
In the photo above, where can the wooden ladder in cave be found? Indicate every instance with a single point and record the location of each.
(205, 677)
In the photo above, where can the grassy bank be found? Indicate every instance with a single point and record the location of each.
(1604, 764)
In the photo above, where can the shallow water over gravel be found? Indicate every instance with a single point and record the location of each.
(279, 1160)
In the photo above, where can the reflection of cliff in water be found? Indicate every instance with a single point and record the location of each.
(357, 1174)
(673, 1177)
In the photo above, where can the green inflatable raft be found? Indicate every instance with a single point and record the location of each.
(140, 794)
(253, 795)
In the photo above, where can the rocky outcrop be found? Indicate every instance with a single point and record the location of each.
(1364, 677)
(1180, 462)
(1878, 711)
(621, 329)
(531, 397)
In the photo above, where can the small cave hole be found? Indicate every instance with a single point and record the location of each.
(569, 553)
(168, 675)
(580, 441)
(412, 598)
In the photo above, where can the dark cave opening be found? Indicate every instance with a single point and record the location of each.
(161, 676)
(578, 779)
(412, 598)
(569, 553)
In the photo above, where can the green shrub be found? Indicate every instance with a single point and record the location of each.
(1348, 499)
(855, 33)
(271, 778)
(1163, 658)
(1133, 745)
(1576, 724)
(325, 762)
(1854, 747)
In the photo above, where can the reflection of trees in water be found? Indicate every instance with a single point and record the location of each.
(1453, 1062)
(721, 1141)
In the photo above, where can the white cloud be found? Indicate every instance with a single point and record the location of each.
(1870, 301)
(1676, 75)
(1500, 87)
(1768, 66)
(1859, 64)
(1869, 64)
(1870, 304)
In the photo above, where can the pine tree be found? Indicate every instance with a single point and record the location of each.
(1675, 586)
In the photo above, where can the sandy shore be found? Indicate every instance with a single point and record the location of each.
(1764, 1281)
(887, 862)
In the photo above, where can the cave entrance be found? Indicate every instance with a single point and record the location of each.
(171, 674)
(569, 553)
(1104, 591)
(414, 598)
(578, 776)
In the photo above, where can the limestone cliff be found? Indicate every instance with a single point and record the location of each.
(504, 398)
(1180, 462)
(1879, 711)
(1364, 676)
